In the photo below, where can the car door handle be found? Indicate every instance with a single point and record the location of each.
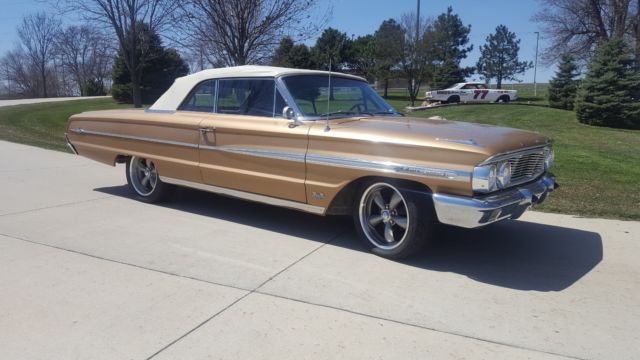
(206, 130)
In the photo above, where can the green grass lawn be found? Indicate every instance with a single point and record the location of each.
(44, 124)
(598, 168)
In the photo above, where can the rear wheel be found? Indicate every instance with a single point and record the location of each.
(453, 99)
(143, 179)
(391, 222)
(503, 99)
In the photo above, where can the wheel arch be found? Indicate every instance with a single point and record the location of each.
(342, 203)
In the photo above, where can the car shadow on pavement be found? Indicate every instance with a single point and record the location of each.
(513, 254)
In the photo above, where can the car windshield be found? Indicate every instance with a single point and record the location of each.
(348, 97)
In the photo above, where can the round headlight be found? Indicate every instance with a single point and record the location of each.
(504, 174)
(549, 158)
(484, 178)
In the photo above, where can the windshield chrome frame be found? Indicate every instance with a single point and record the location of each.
(284, 91)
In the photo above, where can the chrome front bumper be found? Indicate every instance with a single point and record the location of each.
(473, 212)
(69, 145)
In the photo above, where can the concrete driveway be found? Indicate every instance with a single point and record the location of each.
(89, 273)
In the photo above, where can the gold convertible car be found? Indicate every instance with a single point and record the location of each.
(324, 143)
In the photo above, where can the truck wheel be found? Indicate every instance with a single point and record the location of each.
(453, 99)
(143, 180)
(392, 223)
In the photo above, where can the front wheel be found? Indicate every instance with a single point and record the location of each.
(392, 223)
(143, 179)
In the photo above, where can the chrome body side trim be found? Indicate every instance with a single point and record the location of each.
(159, 111)
(390, 167)
(383, 166)
(70, 145)
(461, 141)
(82, 131)
(280, 155)
(471, 212)
(247, 196)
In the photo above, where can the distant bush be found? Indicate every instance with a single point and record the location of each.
(606, 95)
(94, 87)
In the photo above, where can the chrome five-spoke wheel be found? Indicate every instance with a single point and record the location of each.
(142, 176)
(384, 216)
(394, 221)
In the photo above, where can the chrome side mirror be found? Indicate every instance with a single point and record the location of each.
(290, 114)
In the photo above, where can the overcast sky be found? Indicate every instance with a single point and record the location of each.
(360, 17)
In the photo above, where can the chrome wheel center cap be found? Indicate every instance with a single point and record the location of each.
(386, 215)
(146, 173)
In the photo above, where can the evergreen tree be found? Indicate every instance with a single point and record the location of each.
(293, 56)
(499, 57)
(160, 67)
(606, 95)
(332, 45)
(447, 40)
(447, 74)
(281, 56)
(564, 86)
(362, 57)
(389, 39)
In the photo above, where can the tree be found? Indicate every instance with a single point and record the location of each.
(161, 68)
(332, 45)
(37, 35)
(578, 26)
(564, 86)
(123, 17)
(448, 73)
(19, 75)
(239, 32)
(448, 41)
(363, 59)
(86, 54)
(606, 95)
(499, 57)
(291, 55)
(415, 60)
(389, 40)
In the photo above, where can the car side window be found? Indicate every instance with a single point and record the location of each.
(254, 97)
(201, 98)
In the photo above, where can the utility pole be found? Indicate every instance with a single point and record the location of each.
(535, 67)
(418, 23)
(413, 81)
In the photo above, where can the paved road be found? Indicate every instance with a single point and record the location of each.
(44, 100)
(88, 273)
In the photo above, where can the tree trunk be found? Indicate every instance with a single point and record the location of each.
(43, 73)
(386, 87)
(136, 93)
(499, 82)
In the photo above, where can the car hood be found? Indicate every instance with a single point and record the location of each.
(438, 132)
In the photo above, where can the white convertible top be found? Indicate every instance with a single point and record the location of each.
(172, 98)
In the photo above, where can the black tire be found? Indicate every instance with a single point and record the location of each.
(152, 190)
(372, 231)
(453, 99)
(503, 99)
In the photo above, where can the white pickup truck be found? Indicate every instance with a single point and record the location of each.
(470, 92)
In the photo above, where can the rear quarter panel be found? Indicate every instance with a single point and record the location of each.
(169, 139)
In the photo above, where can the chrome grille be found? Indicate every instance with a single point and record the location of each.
(527, 166)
